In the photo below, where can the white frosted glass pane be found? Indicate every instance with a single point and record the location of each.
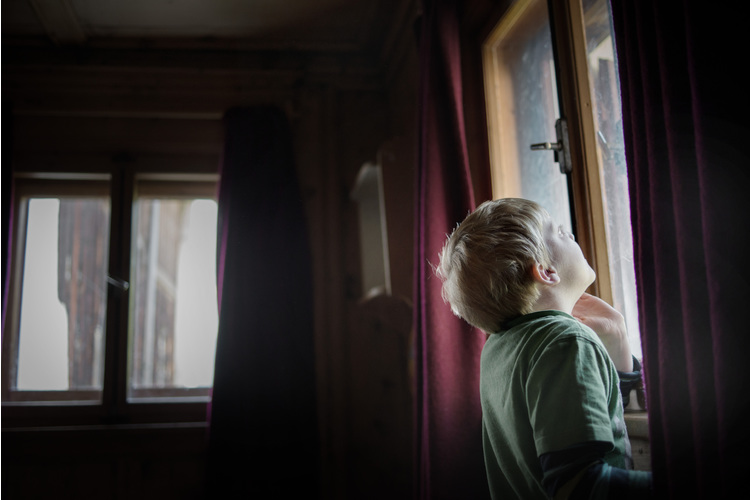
(63, 299)
(530, 108)
(608, 118)
(196, 315)
(175, 314)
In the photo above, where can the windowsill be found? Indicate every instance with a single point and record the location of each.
(637, 424)
(102, 442)
(95, 416)
(145, 427)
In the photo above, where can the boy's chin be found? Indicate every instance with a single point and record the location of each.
(589, 282)
(593, 276)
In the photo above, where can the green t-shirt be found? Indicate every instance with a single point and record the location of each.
(546, 383)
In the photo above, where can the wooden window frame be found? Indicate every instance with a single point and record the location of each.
(569, 42)
(569, 45)
(54, 408)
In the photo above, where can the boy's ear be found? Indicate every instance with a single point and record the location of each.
(544, 275)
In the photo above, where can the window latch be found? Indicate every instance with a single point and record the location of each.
(118, 283)
(561, 148)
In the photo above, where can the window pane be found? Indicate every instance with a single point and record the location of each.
(608, 118)
(174, 313)
(523, 109)
(63, 299)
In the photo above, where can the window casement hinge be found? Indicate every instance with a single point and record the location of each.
(561, 147)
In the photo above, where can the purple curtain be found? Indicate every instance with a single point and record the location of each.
(449, 459)
(685, 115)
(7, 203)
(264, 433)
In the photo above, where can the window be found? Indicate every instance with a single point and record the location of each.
(174, 318)
(610, 150)
(524, 110)
(550, 60)
(56, 347)
(113, 319)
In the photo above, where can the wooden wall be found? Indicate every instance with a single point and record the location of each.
(144, 462)
(80, 110)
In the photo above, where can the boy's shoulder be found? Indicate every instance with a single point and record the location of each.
(542, 339)
(554, 321)
(543, 328)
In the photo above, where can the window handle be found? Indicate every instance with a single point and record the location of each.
(118, 283)
(543, 146)
(561, 147)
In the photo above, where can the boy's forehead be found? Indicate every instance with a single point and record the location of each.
(542, 214)
(550, 224)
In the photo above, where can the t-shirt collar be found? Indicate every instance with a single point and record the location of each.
(531, 316)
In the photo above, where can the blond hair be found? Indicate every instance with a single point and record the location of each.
(485, 265)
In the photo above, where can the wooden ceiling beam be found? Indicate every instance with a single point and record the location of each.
(59, 21)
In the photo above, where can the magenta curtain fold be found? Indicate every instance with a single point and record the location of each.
(685, 115)
(263, 421)
(449, 459)
(7, 203)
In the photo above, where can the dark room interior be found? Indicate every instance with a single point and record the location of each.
(338, 143)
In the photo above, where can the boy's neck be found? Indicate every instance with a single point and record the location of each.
(552, 298)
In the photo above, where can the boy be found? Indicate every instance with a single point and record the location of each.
(552, 415)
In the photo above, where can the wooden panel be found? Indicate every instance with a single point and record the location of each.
(637, 424)
(69, 134)
(641, 450)
(43, 161)
(397, 159)
(164, 462)
(380, 463)
(59, 21)
(170, 83)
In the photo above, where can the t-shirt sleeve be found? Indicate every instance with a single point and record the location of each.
(567, 395)
(594, 479)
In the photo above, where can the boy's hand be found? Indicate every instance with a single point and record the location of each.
(609, 325)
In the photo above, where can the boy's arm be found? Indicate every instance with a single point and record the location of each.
(579, 472)
(569, 391)
(609, 325)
